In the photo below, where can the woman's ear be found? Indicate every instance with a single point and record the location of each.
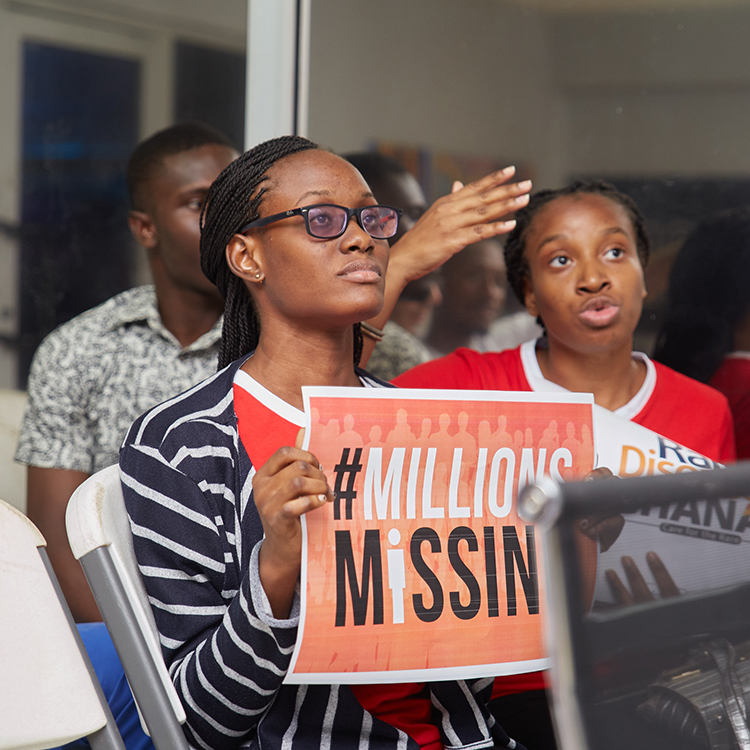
(244, 259)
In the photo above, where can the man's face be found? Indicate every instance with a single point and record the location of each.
(172, 203)
(585, 277)
(474, 282)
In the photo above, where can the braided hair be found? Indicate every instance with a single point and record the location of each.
(515, 245)
(234, 200)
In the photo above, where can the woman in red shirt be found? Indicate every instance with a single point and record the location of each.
(706, 333)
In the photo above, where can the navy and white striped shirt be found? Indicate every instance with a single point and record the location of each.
(187, 482)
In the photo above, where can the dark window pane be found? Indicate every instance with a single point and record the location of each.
(80, 122)
(210, 87)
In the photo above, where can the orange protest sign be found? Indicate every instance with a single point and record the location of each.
(421, 568)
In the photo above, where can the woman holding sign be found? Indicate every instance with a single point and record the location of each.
(295, 242)
(575, 260)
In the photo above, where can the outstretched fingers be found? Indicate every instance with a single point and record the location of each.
(638, 591)
(619, 591)
(490, 202)
(638, 585)
(468, 214)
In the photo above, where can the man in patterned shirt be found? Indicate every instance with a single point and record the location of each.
(91, 377)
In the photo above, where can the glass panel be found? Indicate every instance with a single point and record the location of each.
(80, 122)
(651, 95)
(210, 87)
(660, 655)
(82, 84)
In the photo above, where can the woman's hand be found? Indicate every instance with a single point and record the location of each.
(469, 214)
(288, 485)
(603, 528)
(639, 591)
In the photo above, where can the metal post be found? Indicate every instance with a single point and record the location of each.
(278, 58)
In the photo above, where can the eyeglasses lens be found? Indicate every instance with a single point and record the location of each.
(379, 222)
(326, 221)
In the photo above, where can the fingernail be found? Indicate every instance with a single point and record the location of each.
(322, 498)
(509, 224)
(509, 170)
(525, 185)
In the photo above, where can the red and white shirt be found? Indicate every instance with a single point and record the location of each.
(667, 402)
(267, 423)
(675, 406)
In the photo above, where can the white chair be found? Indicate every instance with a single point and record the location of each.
(99, 534)
(49, 694)
(12, 475)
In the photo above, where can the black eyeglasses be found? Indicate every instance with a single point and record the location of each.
(326, 221)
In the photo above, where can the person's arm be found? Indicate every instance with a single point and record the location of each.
(48, 492)
(56, 444)
(228, 623)
(468, 214)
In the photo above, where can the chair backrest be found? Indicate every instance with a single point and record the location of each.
(12, 475)
(100, 537)
(96, 517)
(665, 661)
(47, 694)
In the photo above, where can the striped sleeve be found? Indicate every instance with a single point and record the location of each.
(187, 484)
(226, 654)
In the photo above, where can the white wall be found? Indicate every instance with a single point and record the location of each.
(455, 75)
(640, 93)
(653, 94)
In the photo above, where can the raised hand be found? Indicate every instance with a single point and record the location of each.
(468, 214)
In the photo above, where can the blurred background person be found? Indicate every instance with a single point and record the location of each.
(474, 288)
(402, 347)
(706, 331)
(92, 376)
